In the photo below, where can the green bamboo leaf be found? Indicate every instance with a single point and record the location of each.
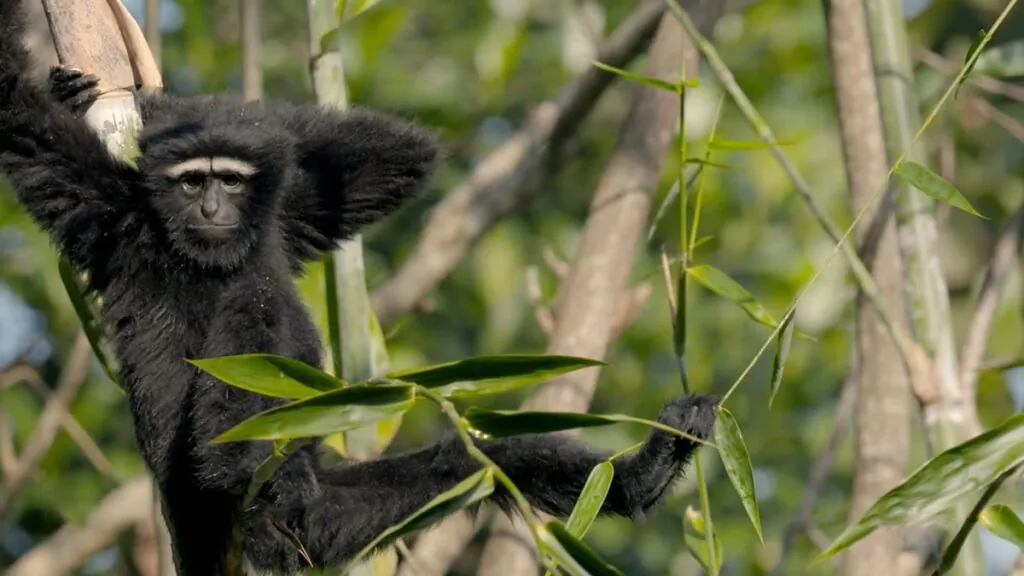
(978, 39)
(936, 485)
(934, 186)
(270, 375)
(466, 493)
(675, 87)
(1004, 60)
(572, 555)
(492, 374)
(782, 346)
(708, 163)
(504, 423)
(336, 411)
(588, 505)
(93, 330)
(725, 144)
(718, 282)
(737, 464)
(1002, 521)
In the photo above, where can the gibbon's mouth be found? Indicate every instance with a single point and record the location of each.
(214, 231)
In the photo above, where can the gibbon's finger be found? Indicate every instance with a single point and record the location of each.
(61, 73)
(82, 99)
(67, 88)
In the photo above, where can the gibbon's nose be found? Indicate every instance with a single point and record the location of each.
(210, 206)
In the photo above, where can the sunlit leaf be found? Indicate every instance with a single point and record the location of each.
(572, 555)
(647, 80)
(93, 330)
(718, 282)
(349, 9)
(1002, 521)
(270, 375)
(466, 493)
(933, 185)
(592, 497)
(492, 374)
(939, 483)
(1005, 60)
(503, 423)
(336, 411)
(737, 464)
(782, 346)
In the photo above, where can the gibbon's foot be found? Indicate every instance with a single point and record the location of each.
(694, 414)
(73, 88)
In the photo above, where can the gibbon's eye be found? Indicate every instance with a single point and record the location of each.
(231, 182)
(192, 182)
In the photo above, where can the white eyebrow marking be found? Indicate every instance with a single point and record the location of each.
(226, 164)
(208, 164)
(193, 165)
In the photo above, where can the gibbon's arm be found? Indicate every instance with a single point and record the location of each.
(361, 500)
(356, 167)
(60, 169)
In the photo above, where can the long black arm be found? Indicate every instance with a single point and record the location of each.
(361, 500)
(355, 167)
(62, 172)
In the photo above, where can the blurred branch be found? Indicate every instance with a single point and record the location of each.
(819, 471)
(49, 421)
(72, 545)
(980, 327)
(252, 63)
(151, 29)
(504, 178)
(882, 408)
(587, 300)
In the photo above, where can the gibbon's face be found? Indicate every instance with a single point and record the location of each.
(212, 192)
(213, 208)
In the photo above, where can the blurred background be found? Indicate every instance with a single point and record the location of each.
(473, 70)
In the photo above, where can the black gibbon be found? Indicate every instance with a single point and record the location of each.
(194, 252)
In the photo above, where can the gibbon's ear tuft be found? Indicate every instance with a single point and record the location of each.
(366, 167)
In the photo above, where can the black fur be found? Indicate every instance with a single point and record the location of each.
(168, 296)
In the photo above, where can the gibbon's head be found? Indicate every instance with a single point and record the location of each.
(215, 183)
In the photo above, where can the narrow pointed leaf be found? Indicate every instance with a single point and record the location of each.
(588, 505)
(573, 556)
(718, 282)
(782, 346)
(492, 374)
(91, 326)
(349, 9)
(737, 464)
(1002, 521)
(934, 186)
(978, 39)
(503, 423)
(708, 163)
(1004, 60)
(658, 83)
(270, 375)
(336, 411)
(936, 485)
(473, 489)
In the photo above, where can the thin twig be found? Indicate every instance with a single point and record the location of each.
(980, 326)
(820, 469)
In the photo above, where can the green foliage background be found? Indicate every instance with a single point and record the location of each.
(422, 59)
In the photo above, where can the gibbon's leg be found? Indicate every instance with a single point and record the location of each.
(361, 500)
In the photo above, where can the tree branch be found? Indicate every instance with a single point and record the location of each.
(49, 421)
(72, 545)
(505, 177)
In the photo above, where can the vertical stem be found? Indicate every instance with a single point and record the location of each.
(252, 62)
(151, 28)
